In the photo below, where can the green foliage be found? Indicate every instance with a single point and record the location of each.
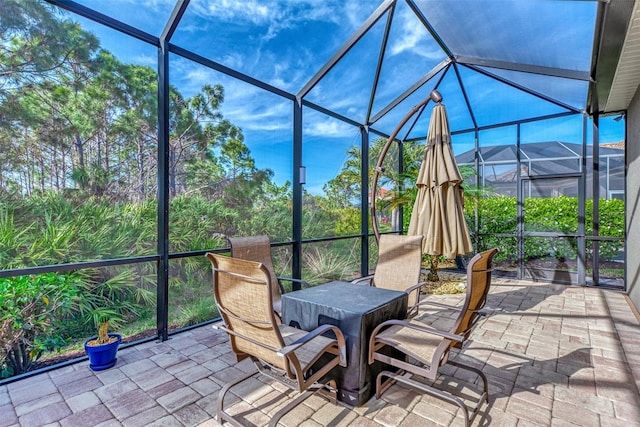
(611, 217)
(344, 189)
(190, 292)
(557, 214)
(199, 311)
(113, 295)
(44, 312)
(498, 215)
(318, 220)
(32, 310)
(348, 221)
(52, 229)
(197, 223)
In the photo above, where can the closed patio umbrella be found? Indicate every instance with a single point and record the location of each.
(438, 209)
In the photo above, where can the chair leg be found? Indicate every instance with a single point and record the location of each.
(484, 397)
(381, 387)
(468, 418)
(328, 389)
(222, 415)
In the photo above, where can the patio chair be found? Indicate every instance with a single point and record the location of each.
(291, 356)
(398, 268)
(422, 345)
(258, 249)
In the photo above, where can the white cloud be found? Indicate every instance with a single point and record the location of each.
(198, 76)
(230, 10)
(277, 15)
(144, 4)
(143, 59)
(410, 37)
(189, 79)
(328, 128)
(260, 118)
(246, 106)
(413, 37)
(234, 60)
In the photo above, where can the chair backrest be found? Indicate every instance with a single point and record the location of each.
(478, 283)
(399, 263)
(257, 249)
(242, 292)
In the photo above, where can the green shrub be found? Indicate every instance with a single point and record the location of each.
(31, 308)
(498, 215)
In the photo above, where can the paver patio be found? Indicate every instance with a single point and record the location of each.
(554, 356)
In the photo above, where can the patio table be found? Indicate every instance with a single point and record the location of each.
(356, 310)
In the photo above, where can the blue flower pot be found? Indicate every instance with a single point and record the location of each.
(102, 356)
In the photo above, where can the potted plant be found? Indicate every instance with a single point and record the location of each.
(102, 349)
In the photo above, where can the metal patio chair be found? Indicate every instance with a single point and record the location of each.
(291, 356)
(421, 346)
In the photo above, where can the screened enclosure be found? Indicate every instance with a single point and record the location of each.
(137, 136)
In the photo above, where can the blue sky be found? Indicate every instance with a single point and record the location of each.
(284, 43)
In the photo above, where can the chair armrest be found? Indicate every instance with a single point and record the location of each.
(362, 280)
(417, 286)
(418, 327)
(320, 330)
(412, 325)
(303, 283)
(223, 327)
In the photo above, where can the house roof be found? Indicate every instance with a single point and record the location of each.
(548, 151)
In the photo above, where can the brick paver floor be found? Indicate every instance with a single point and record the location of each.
(554, 356)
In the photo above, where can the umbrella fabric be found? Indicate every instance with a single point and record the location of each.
(438, 209)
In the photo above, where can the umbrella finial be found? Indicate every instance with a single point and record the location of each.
(435, 96)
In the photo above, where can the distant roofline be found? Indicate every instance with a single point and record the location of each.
(610, 147)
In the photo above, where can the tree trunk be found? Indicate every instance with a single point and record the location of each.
(172, 174)
(141, 172)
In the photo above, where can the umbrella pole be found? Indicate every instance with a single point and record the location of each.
(436, 97)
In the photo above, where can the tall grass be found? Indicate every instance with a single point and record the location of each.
(324, 264)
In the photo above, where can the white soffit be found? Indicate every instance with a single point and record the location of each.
(627, 77)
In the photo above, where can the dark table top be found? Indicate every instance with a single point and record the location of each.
(345, 296)
(356, 310)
